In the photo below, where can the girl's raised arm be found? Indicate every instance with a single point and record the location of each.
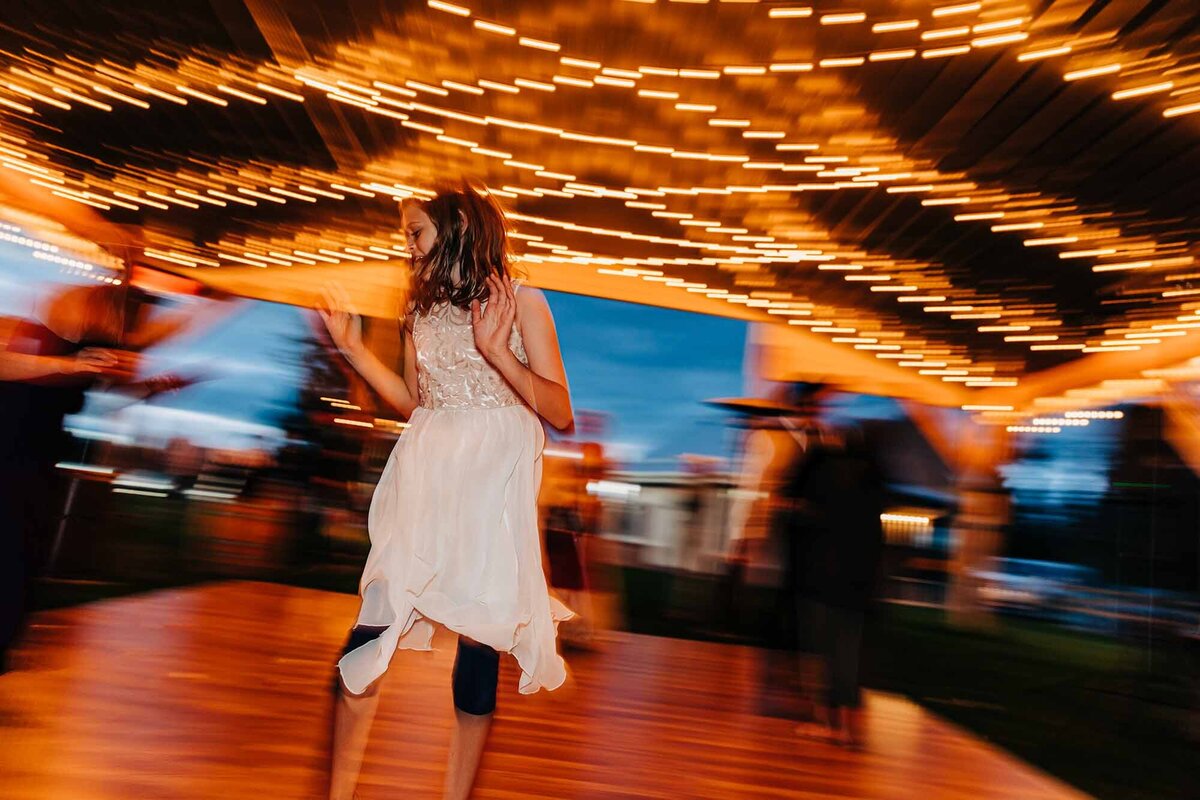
(345, 328)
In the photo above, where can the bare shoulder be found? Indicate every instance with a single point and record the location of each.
(531, 301)
(526, 293)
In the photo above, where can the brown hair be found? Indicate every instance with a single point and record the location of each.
(472, 243)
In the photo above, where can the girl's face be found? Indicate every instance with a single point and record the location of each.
(420, 231)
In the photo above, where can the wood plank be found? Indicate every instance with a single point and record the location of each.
(221, 691)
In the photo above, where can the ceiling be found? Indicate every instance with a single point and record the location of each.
(970, 191)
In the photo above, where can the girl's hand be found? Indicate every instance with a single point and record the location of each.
(493, 325)
(341, 320)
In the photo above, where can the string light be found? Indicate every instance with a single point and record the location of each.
(278, 188)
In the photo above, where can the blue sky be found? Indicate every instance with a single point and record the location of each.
(649, 369)
(646, 369)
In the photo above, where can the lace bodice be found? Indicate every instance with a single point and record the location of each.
(451, 372)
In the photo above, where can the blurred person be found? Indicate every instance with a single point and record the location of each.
(768, 450)
(768, 552)
(596, 597)
(46, 365)
(759, 537)
(837, 492)
(570, 519)
(698, 494)
(77, 338)
(593, 467)
(983, 510)
(453, 521)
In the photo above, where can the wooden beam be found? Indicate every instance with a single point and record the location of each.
(376, 289)
(585, 280)
(1091, 370)
(120, 240)
(786, 353)
(287, 46)
(782, 352)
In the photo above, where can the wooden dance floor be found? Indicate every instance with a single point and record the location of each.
(221, 691)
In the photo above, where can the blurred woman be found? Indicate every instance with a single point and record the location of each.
(80, 336)
(837, 539)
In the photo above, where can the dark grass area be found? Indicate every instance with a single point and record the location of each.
(1098, 713)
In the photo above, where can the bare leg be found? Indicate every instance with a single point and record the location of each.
(853, 735)
(822, 726)
(476, 671)
(351, 726)
(352, 718)
(578, 631)
(837, 724)
(466, 751)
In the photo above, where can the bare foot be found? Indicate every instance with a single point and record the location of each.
(848, 740)
(815, 731)
(852, 729)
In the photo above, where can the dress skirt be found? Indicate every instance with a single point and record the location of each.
(454, 542)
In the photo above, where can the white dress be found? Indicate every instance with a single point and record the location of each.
(453, 522)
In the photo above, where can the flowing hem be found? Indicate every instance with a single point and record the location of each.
(366, 664)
